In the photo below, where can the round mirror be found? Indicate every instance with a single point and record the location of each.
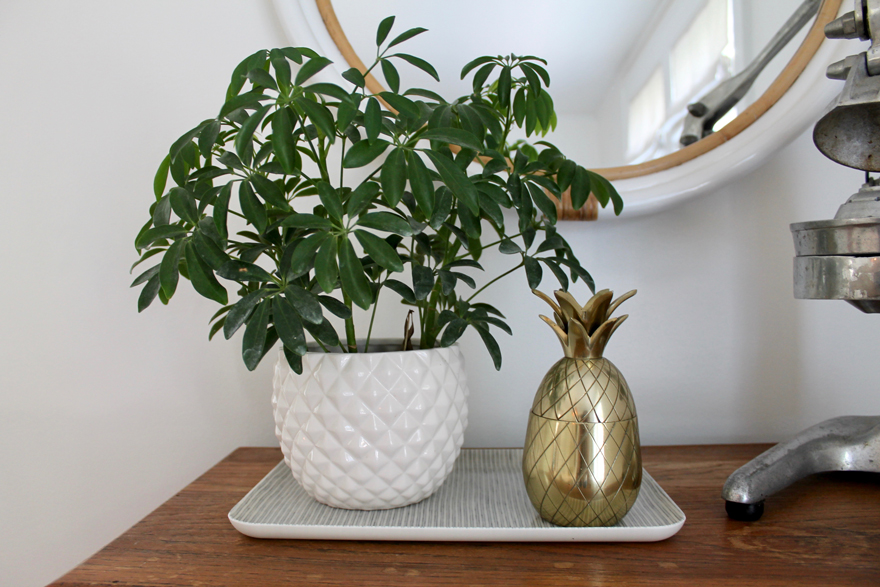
(622, 75)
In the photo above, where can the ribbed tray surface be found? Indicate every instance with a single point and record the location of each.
(483, 499)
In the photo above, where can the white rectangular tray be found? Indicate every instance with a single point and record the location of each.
(483, 499)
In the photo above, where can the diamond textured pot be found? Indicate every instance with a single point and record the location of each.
(373, 430)
(582, 461)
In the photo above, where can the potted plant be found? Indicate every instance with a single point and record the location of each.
(419, 193)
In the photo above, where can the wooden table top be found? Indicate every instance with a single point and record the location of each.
(824, 530)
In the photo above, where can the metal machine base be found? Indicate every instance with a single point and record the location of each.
(848, 443)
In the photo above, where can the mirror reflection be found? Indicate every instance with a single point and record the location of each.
(622, 73)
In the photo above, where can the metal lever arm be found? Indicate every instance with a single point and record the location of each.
(703, 114)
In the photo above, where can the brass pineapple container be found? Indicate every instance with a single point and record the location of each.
(582, 461)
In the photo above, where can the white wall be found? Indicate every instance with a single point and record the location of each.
(105, 413)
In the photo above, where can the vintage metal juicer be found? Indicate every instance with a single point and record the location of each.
(835, 259)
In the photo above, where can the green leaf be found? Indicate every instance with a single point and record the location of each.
(293, 54)
(465, 278)
(392, 78)
(402, 289)
(508, 247)
(307, 221)
(393, 176)
(283, 143)
(539, 70)
(202, 277)
(581, 186)
(481, 76)
(379, 250)
(150, 236)
(240, 311)
(442, 207)
(420, 63)
(326, 89)
(319, 115)
(470, 223)
(209, 251)
(448, 282)
(261, 77)
(288, 325)
(425, 94)
(355, 76)
(310, 68)
(403, 105)
(533, 272)
(326, 271)
(330, 198)
(252, 208)
(208, 137)
(491, 209)
(145, 256)
(565, 175)
(351, 273)
(161, 177)
(423, 281)
(145, 276)
(532, 77)
(323, 332)
(168, 269)
(504, 87)
(420, 182)
(335, 307)
(305, 303)
(162, 211)
(557, 272)
(294, 360)
(186, 139)
(386, 221)
(282, 69)
(184, 205)
(230, 159)
(454, 136)
(373, 119)
(244, 140)
(543, 202)
(456, 180)
(270, 191)
(248, 100)
(453, 332)
(406, 36)
(240, 74)
(475, 63)
(148, 293)
(240, 271)
(363, 153)
(491, 345)
(361, 198)
(605, 191)
(519, 107)
(254, 339)
(301, 260)
(383, 30)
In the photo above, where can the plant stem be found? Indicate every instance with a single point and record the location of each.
(373, 317)
(506, 273)
(350, 338)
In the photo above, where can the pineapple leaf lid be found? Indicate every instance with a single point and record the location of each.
(584, 331)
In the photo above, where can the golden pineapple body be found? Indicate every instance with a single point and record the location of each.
(582, 461)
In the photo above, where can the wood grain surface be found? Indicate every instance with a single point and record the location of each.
(824, 530)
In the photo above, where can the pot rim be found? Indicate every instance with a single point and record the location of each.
(393, 343)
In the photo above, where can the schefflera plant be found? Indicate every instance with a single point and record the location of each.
(415, 222)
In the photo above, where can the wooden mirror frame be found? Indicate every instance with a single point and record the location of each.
(793, 101)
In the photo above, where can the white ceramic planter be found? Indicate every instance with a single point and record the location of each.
(371, 430)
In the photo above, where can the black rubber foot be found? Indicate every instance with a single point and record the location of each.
(744, 512)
